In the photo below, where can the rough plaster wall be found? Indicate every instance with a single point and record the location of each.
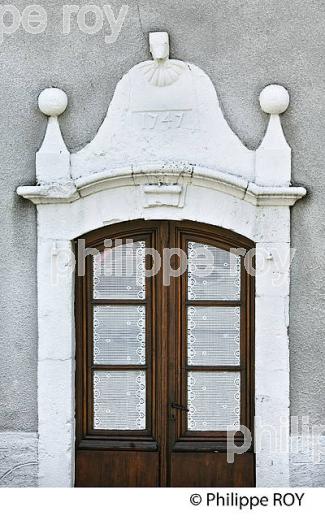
(18, 459)
(243, 45)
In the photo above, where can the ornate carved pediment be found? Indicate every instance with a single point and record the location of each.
(165, 126)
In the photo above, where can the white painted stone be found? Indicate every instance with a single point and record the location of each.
(272, 314)
(163, 195)
(272, 389)
(162, 72)
(272, 224)
(273, 157)
(56, 278)
(56, 421)
(52, 102)
(274, 99)
(178, 123)
(164, 151)
(53, 158)
(275, 352)
(273, 262)
(167, 174)
(87, 210)
(159, 45)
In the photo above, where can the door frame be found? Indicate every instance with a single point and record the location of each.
(59, 224)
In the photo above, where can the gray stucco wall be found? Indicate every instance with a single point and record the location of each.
(242, 45)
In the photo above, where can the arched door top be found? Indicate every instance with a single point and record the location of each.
(164, 357)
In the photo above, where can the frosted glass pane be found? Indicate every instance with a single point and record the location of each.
(213, 274)
(213, 401)
(213, 335)
(120, 400)
(119, 272)
(119, 334)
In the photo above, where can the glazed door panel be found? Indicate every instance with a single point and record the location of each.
(212, 383)
(164, 357)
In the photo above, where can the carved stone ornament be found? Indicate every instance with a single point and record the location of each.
(163, 124)
(162, 72)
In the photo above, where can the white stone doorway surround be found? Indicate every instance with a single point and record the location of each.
(164, 151)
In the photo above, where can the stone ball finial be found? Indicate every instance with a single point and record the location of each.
(274, 99)
(52, 101)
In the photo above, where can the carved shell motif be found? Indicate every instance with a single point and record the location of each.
(163, 73)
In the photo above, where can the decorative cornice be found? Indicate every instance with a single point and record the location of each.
(168, 179)
(273, 196)
(49, 194)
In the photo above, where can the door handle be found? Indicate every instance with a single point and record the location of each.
(179, 407)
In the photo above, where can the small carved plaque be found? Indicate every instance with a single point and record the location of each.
(162, 119)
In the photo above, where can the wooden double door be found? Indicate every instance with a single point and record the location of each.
(164, 364)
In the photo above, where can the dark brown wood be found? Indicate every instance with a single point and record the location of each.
(164, 337)
(176, 456)
(117, 469)
(212, 470)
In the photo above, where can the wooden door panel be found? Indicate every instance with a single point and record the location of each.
(212, 470)
(117, 469)
(206, 314)
(171, 445)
